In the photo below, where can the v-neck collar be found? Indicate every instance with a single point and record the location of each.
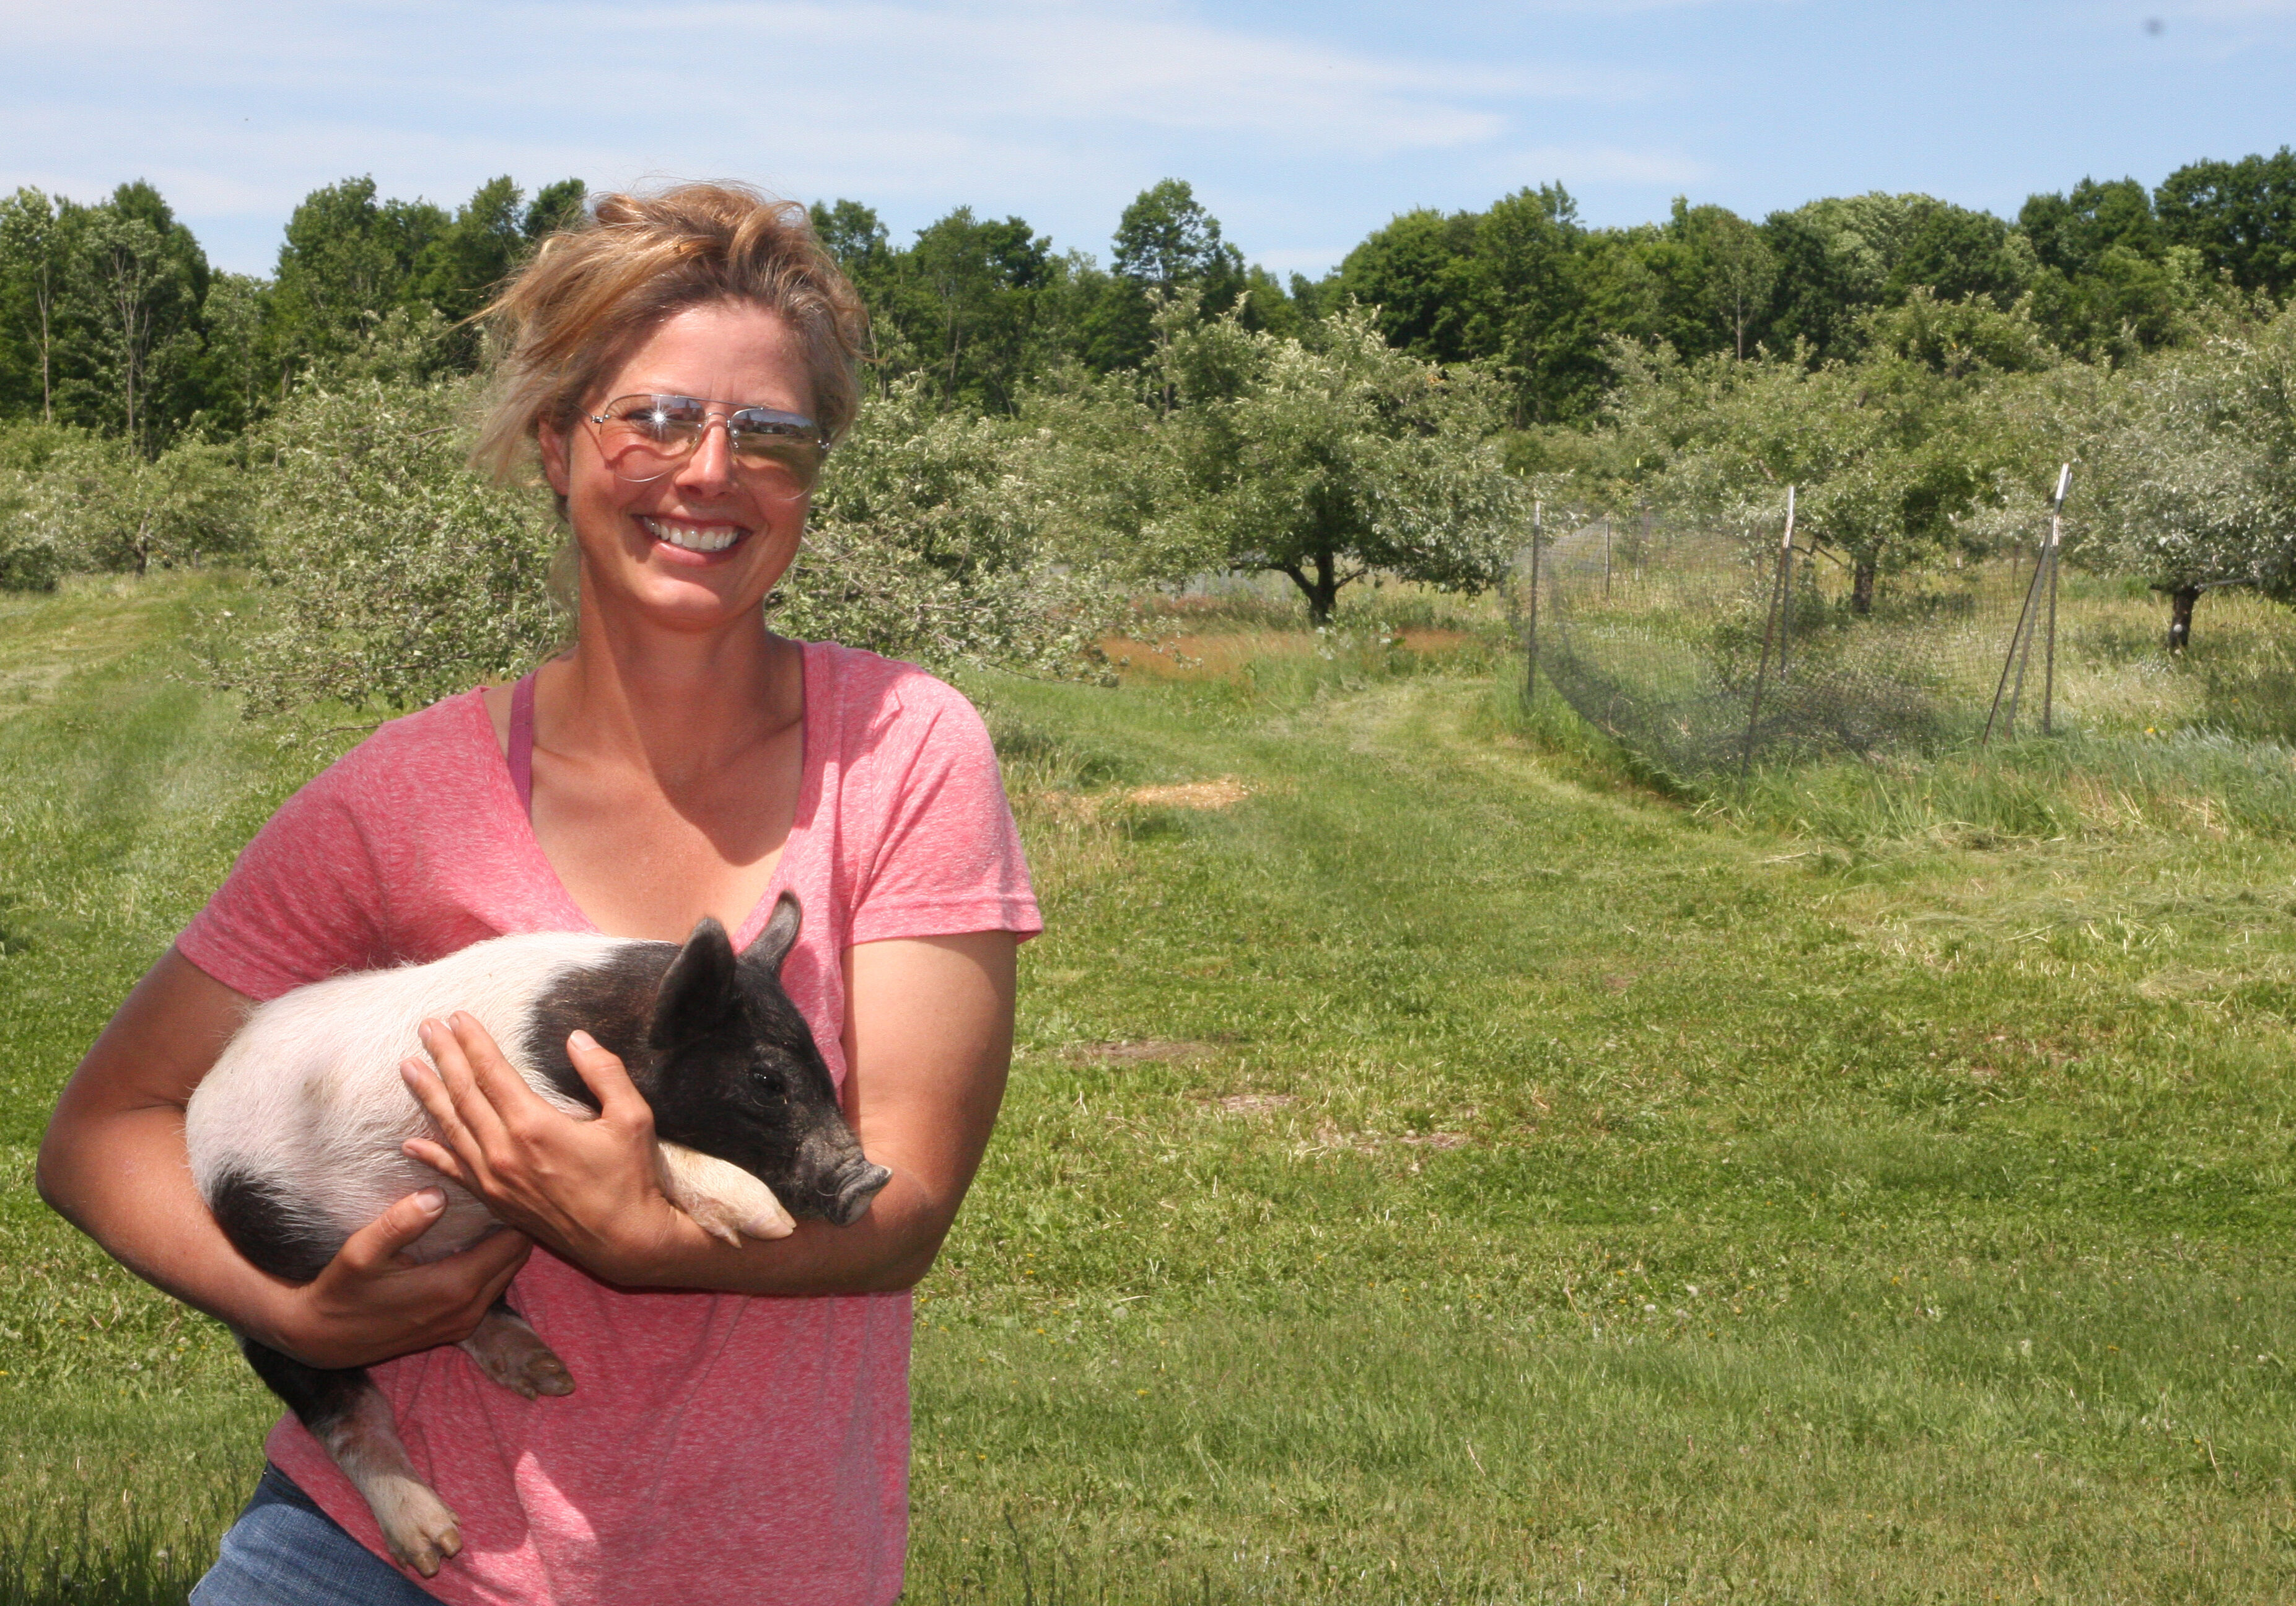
(518, 825)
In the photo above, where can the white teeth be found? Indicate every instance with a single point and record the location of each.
(716, 537)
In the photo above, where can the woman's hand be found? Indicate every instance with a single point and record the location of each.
(588, 1189)
(373, 1302)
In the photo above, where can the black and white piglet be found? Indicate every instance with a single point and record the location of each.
(295, 1138)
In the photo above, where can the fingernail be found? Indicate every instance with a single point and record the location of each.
(431, 1199)
(578, 1038)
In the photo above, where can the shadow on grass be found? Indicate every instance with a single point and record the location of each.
(89, 1559)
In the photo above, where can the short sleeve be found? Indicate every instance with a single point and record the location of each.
(303, 902)
(945, 856)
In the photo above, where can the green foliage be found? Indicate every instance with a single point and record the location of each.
(2239, 215)
(933, 537)
(1328, 461)
(345, 261)
(395, 575)
(34, 256)
(1891, 452)
(105, 508)
(2190, 463)
(355, 270)
(130, 306)
(72, 501)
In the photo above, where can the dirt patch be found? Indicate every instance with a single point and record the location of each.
(1329, 1139)
(1224, 792)
(1136, 1054)
(1256, 1103)
(1434, 641)
(1201, 657)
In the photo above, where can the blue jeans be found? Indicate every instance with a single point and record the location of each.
(285, 1551)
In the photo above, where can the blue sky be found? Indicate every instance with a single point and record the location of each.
(1302, 127)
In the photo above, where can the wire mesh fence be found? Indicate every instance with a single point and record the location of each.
(1705, 650)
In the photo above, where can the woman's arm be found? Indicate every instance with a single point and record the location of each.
(928, 1040)
(112, 1163)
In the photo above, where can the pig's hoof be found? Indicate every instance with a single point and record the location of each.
(514, 1356)
(419, 1529)
(755, 1213)
(726, 1201)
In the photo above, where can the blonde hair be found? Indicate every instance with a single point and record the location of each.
(594, 293)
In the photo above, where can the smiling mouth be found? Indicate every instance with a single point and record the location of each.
(692, 537)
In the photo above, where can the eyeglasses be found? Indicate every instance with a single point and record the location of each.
(776, 455)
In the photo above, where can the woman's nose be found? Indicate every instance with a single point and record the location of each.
(709, 468)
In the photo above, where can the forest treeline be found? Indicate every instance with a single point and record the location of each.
(112, 319)
(1045, 428)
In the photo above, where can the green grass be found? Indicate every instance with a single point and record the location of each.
(1459, 1171)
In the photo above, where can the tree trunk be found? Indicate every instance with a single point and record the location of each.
(1861, 586)
(1322, 589)
(2180, 617)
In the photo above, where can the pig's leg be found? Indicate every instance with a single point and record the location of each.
(347, 1413)
(729, 1202)
(514, 1356)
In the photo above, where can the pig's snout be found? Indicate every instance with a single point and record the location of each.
(852, 1189)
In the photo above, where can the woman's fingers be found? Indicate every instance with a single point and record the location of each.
(461, 1155)
(377, 1244)
(441, 1159)
(603, 1071)
(505, 1091)
(372, 1301)
(480, 1117)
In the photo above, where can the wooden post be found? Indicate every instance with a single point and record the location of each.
(1606, 557)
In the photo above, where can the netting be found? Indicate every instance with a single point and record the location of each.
(1691, 647)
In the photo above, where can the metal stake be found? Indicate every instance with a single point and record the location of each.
(1530, 630)
(2049, 663)
(2020, 639)
(1769, 619)
(1786, 565)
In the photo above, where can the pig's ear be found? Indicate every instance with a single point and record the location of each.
(779, 937)
(697, 992)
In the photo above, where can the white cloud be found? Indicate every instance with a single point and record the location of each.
(238, 110)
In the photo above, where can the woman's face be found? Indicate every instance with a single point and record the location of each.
(696, 548)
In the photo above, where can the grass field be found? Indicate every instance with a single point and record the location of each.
(1439, 1167)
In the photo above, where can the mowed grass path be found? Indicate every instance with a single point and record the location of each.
(1447, 1172)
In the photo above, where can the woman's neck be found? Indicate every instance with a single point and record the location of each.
(678, 704)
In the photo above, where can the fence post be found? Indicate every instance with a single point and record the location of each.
(2020, 640)
(1606, 557)
(2049, 663)
(1530, 629)
(1761, 674)
(1785, 582)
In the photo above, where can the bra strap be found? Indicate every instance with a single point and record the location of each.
(521, 741)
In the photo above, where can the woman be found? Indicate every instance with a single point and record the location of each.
(679, 366)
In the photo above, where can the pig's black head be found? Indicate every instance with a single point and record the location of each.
(736, 1074)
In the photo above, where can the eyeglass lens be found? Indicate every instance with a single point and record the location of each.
(641, 438)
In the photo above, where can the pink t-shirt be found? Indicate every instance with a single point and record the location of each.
(719, 1447)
